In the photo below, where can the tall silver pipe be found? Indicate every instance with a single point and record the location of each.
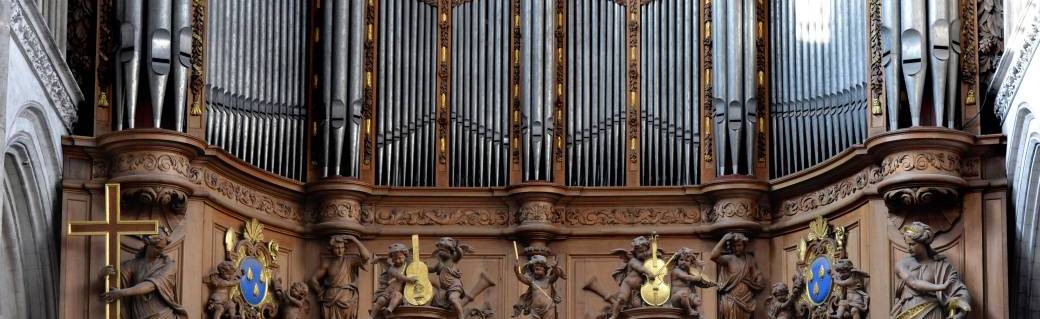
(160, 21)
(182, 67)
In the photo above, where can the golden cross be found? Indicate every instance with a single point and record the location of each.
(112, 227)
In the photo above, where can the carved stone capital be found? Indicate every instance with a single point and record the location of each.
(347, 210)
(737, 205)
(536, 212)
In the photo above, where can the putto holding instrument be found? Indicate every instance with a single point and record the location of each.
(392, 281)
(541, 298)
(686, 276)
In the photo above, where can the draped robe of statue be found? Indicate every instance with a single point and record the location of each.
(912, 304)
(737, 289)
(158, 304)
(339, 299)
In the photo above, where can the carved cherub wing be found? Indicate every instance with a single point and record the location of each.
(623, 253)
(383, 262)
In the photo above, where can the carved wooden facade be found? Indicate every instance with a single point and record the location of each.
(951, 179)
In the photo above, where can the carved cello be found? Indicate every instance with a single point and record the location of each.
(655, 291)
(421, 292)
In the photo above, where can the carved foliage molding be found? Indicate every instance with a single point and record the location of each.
(1015, 74)
(877, 76)
(935, 206)
(707, 140)
(174, 164)
(340, 209)
(198, 55)
(630, 216)
(736, 208)
(537, 212)
(833, 193)
(435, 216)
(969, 48)
(61, 91)
(921, 161)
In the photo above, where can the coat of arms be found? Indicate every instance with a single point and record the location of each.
(256, 260)
(833, 287)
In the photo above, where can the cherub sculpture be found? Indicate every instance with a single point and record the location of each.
(450, 293)
(221, 281)
(781, 305)
(686, 277)
(539, 302)
(854, 298)
(294, 304)
(388, 295)
(630, 275)
(787, 304)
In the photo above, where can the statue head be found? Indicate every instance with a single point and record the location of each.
(738, 244)
(538, 266)
(780, 292)
(155, 244)
(842, 266)
(446, 248)
(641, 247)
(398, 254)
(685, 258)
(298, 290)
(227, 270)
(338, 245)
(918, 237)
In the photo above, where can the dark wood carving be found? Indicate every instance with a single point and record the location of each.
(389, 295)
(450, 293)
(739, 277)
(990, 36)
(540, 298)
(686, 276)
(928, 286)
(707, 140)
(150, 281)
(293, 303)
(785, 303)
(335, 281)
(221, 283)
(198, 54)
(81, 50)
(877, 75)
(630, 276)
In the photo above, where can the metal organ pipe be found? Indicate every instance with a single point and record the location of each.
(670, 101)
(818, 102)
(480, 88)
(254, 83)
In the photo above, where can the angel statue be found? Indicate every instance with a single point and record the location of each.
(388, 295)
(686, 277)
(221, 282)
(294, 304)
(929, 286)
(852, 281)
(450, 293)
(539, 302)
(630, 275)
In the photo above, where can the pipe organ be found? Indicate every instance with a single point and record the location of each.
(734, 86)
(670, 102)
(255, 83)
(407, 98)
(818, 100)
(921, 43)
(339, 119)
(596, 114)
(538, 87)
(480, 102)
(154, 38)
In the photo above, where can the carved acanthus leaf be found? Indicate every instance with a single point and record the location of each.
(630, 216)
(436, 216)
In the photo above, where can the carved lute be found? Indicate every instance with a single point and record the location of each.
(420, 292)
(655, 291)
